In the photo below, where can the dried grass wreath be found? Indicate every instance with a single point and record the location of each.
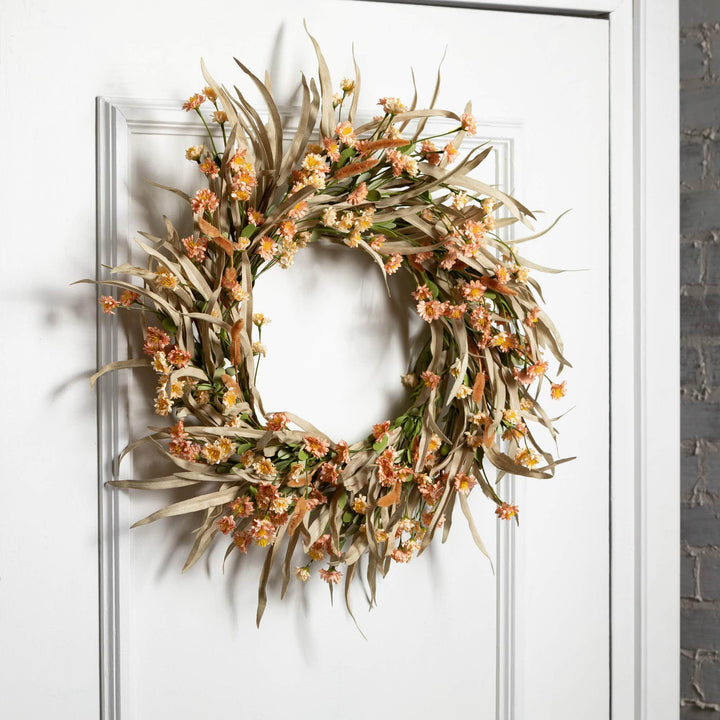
(407, 200)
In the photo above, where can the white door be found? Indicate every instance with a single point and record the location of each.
(449, 637)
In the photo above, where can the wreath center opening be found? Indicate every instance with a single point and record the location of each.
(337, 344)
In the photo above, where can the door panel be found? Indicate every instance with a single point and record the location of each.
(187, 643)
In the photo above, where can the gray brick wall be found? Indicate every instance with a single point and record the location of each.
(700, 357)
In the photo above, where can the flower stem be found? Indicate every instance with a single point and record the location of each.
(197, 110)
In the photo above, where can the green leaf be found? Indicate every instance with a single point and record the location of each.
(373, 196)
(347, 153)
(248, 231)
(378, 447)
(303, 456)
(434, 289)
(169, 325)
(347, 517)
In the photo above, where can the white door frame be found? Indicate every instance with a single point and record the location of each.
(643, 347)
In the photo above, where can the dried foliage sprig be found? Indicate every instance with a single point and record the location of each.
(409, 202)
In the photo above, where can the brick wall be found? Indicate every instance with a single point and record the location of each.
(700, 357)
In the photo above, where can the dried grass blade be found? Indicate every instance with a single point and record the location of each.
(292, 543)
(225, 101)
(201, 502)
(413, 104)
(176, 191)
(265, 575)
(350, 574)
(356, 91)
(392, 497)
(327, 121)
(275, 119)
(473, 529)
(436, 92)
(118, 365)
(205, 535)
(297, 515)
(167, 482)
(306, 123)
(541, 233)
(235, 345)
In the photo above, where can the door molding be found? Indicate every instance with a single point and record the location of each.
(118, 119)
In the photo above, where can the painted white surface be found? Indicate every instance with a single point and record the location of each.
(645, 393)
(624, 547)
(154, 599)
(657, 256)
(54, 59)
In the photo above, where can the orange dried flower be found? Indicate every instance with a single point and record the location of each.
(316, 446)
(108, 304)
(193, 102)
(506, 511)
(557, 390)
(277, 421)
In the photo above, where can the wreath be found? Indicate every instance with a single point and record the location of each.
(407, 199)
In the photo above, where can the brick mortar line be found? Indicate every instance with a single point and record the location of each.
(698, 342)
(688, 602)
(700, 447)
(693, 551)
(698, 240)
(702, 292)
(701, 236)
(699, 28)
(706, 184)
(707, 132)
(687, 702)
